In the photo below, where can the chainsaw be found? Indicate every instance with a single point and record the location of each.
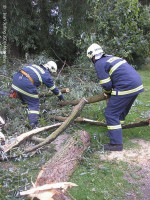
(13, 94)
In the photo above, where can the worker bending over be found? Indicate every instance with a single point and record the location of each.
(121, 81)
(27, 80)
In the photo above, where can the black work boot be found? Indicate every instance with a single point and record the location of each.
(113, 147)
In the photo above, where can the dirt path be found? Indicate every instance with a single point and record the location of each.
(136, 158)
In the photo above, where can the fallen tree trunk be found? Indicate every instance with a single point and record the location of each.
(61, 166)
(76, 111)
(26, 135)
(92, 99)
(49, 93)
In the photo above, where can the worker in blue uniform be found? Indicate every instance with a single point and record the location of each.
(123, 84)
(27, 80)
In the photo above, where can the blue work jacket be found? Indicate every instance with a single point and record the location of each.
(39, 74)
(117, 77)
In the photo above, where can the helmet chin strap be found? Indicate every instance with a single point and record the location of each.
(93, 59)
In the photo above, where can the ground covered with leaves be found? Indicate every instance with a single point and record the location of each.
(99, 175)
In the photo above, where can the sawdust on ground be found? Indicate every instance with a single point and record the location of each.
(135, 157)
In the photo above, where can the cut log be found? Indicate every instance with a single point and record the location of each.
(26, 135)
(49, 93)
(76, 111)
(61, 166)
(92, 99)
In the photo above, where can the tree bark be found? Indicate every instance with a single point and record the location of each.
(26, 135)
(61, 166)
(81, 119)
(49, 93)
(37, 139)
(76, 111)
(92, 99)
(136, 124)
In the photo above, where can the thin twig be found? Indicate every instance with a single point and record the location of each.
(61, 69)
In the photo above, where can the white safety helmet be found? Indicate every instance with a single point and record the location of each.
(51, 66)
(95, 50)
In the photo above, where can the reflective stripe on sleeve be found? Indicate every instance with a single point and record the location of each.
(107, 91)
(128, 91)
(121, 122)
(105, 80)
(39, 68)
(24, 92)
(59, 94)
(113, 59)
(116, 66)
(114, 127)
(37, 73)
(33, 112)
(52, 88)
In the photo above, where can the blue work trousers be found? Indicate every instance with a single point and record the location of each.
(33, 109)
(116, 111)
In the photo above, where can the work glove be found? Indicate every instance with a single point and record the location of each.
(61, 97)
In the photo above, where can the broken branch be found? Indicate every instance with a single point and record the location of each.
(49, 93)
(76, 111)
(26, 135)
(99, 123)
(92, 99)
(136, 124)
(80, 119)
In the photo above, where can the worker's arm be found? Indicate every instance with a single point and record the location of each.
(105, 80)
(48, 81)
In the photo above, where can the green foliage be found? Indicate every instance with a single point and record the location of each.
(22, 24)
(66, 28)
(121, 27)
